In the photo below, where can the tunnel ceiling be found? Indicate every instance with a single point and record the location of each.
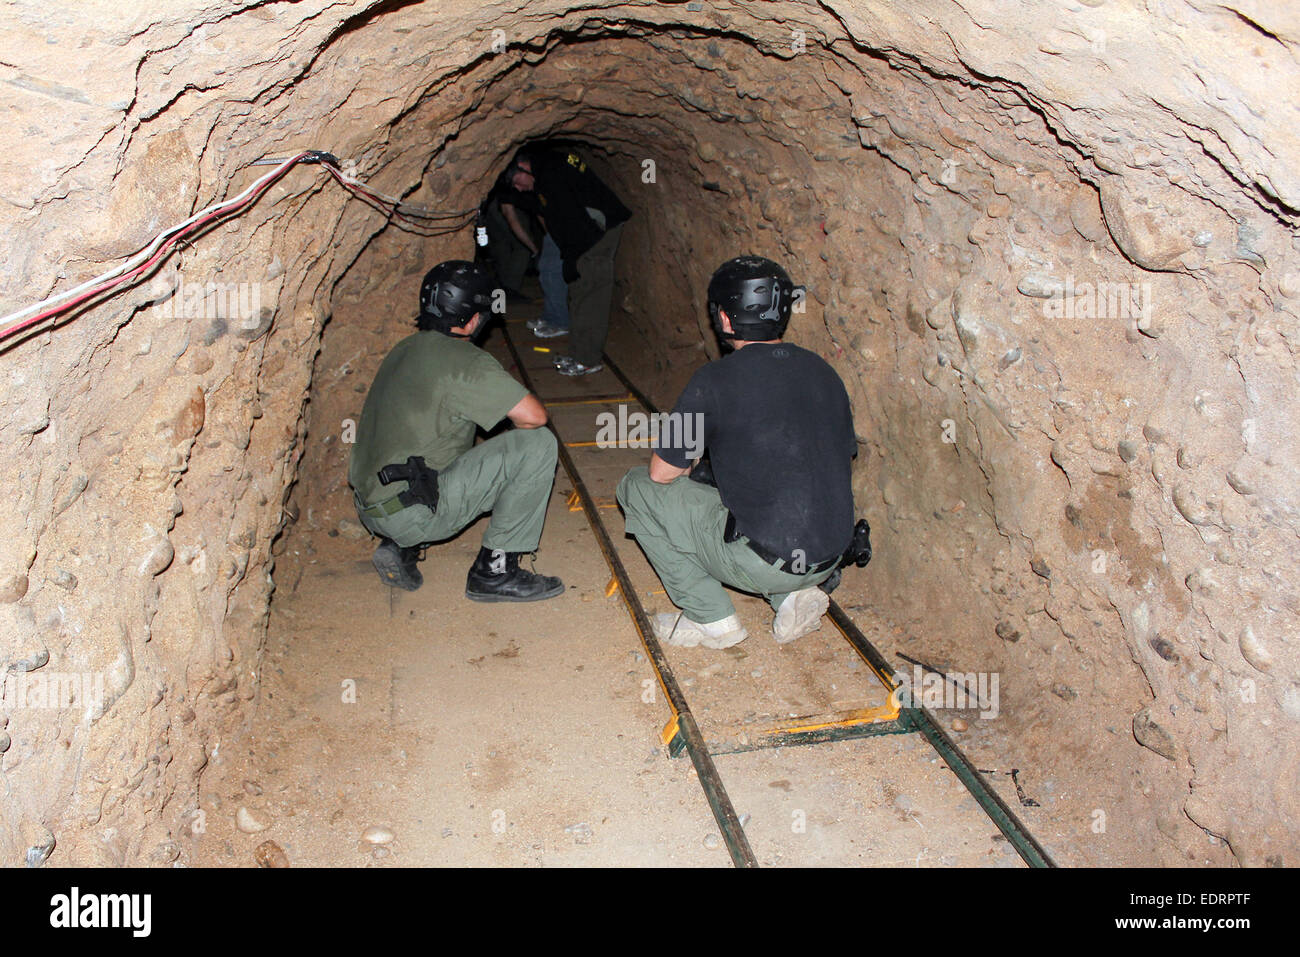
(933, 171)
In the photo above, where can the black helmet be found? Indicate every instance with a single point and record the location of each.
(756, 294)
(452, 292)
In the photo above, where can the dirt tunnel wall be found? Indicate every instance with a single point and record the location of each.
(1050, 248)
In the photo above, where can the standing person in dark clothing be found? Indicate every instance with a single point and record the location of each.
(515, 235)
(507, 253)
(584, 218)
(776, 423)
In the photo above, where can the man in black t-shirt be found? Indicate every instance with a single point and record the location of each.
(502, 213)
(584, 218)
(776, 423)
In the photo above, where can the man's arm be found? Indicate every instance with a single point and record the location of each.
(662, 472)
(683, 438)
(517, 227)
(528, 413)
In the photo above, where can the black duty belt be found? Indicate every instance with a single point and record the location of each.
(775, 559)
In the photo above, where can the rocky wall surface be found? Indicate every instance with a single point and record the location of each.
(1050, 248)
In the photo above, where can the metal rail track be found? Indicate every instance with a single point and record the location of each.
(683, 732)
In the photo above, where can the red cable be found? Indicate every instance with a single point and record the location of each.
(391, 209)
(148, 264)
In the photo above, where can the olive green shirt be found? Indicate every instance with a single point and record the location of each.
(428, 396)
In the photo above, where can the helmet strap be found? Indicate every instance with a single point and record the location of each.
(476, 336)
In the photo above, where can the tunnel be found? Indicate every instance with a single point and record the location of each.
(1050, 248)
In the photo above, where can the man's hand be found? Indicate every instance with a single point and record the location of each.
(528, 413)
(517, 227)
(662, 472)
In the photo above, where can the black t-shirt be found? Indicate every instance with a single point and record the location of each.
(509, 196)
(778, 428)
(565, 188)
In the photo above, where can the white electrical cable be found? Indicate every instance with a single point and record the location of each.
(149, 250)
(144, 260)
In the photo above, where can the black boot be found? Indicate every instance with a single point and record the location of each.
(397, 565)
(496, 576)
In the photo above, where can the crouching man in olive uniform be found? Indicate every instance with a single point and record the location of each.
(775, 517)
(417, 476)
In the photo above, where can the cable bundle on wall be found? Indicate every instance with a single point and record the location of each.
(418, 219)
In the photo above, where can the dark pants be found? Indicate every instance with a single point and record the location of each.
(590, 296)
(509, 256)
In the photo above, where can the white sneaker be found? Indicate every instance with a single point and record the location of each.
(544, 330)
(674, 628)
(567, 365)
(800, 614)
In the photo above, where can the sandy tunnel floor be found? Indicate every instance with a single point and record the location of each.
(522, 735)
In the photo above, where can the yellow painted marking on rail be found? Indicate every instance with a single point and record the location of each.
(889, 684)
(611, 588)
(574, 501)
(540, 349)
(849, 720)
(670, 730)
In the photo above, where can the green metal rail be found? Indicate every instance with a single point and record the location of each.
(688, 734)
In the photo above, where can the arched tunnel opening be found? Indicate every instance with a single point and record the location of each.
(1054, 265)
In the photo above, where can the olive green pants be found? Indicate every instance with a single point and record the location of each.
(680, 526)
(509, 475)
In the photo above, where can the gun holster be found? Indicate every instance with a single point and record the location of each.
(703, 472)
(858, 553)
(421, 482)
(859, 550)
